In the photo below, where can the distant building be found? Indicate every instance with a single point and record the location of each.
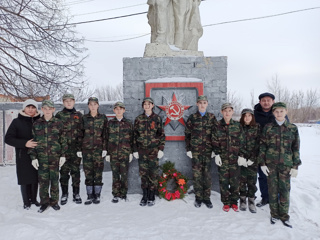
(7, 98)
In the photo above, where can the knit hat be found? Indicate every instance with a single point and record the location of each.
(47, 103)
(226, 105)
(149, 99)
(29, 102)
(93, 99)
(266, 94)
(246, 110)
(279, 105)
(68, 96)
(202, 98)
(119, 104)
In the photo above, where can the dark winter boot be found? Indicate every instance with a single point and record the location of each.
(144, 199)
(64, 197)
(151, 198)
(34, 194)
(25, 197)
(243, 203)
(76, 197)
(90, 195)
(97, 192)
(252, 207)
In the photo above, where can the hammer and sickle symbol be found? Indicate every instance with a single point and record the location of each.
(175, 112)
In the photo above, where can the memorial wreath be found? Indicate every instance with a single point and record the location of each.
(172, 184)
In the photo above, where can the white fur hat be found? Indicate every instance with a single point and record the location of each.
(29, 102)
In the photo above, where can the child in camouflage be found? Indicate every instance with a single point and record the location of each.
(228, 141)
(120, 146)
(198, 134)
(248, 171)
(94, 145)
(48, 155)
(148, 145)
(279, 158)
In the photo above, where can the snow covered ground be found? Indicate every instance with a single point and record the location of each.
(166, 220)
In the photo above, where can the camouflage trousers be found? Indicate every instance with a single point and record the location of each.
(70, 168)
(279, 191)
(201, 169)
(48, 176)
(248, 181)
(93, 165)
(119, 166)
(149, 168)
(229, 183)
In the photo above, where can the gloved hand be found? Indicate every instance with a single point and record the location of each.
(218, 160)
(108, 158)
(160, 154)
(136, 155)
(265, 170)
(35, 164)
(242, 162)
(62, 161)
(79, 154)
(249, 162)
(293, 172)
(189, 154)
(130, 158)
(104, 153)
(213, 154)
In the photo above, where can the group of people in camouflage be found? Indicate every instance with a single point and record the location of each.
(238, 147)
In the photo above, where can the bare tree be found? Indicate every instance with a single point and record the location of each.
(109, 93)
(281, 93)
(39, 50)
(235, 100)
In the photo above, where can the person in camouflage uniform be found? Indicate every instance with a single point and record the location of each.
(279, 158)
(72, 122)
(248, 171)
(198, 133)
(48, 155)
(94, 149)
(228, 144)
(148, 145)
(120, 147)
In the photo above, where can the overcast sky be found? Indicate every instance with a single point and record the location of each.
(287, 46)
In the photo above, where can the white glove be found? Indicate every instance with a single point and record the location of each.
(130, 157)
(108, 158)
(293, 172)
(189, 154)
(249, 162)
(242, 162)
(104, 153)
(136, 155)
(79, 154)
(35, 164)
(213, 154)
(160, 154)
(218, 160)
(265, 170)
(62, 161)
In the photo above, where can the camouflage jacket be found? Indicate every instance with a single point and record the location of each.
(280, 145)
(94, 132)
(252, 140)
(228, 141)
(120, 136)
(198, 132)
(50, 136)
(148, 132)
(72, 123)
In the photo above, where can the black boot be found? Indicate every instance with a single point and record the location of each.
(25, 197)
(64, 197)
(90, 195)
(151, 198)
(76, 196)
(144, 199)
(97, 192)
(34, 194)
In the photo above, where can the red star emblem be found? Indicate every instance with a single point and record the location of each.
(174, 111)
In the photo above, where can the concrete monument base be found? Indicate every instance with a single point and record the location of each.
(164, 50)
